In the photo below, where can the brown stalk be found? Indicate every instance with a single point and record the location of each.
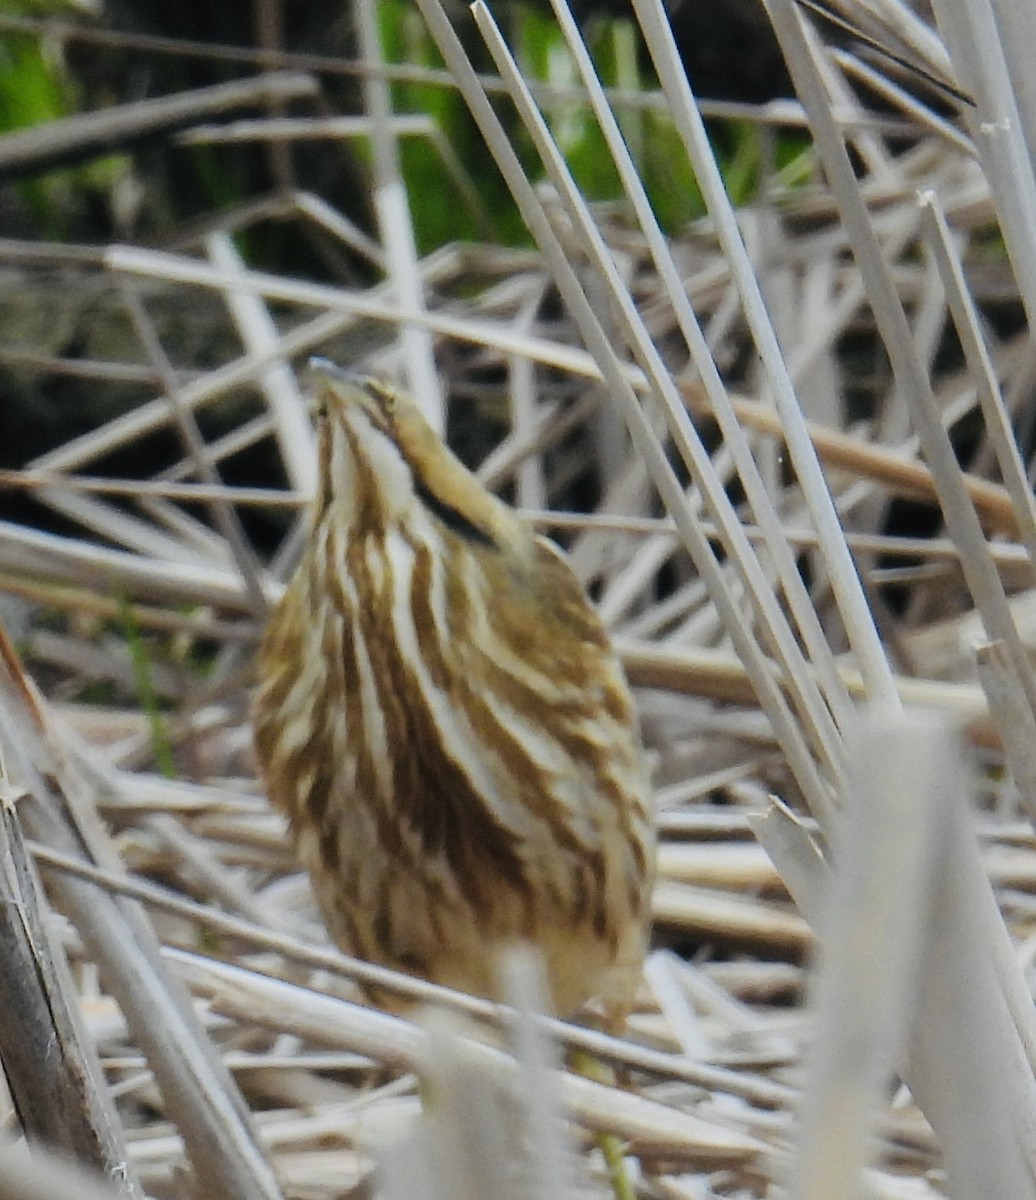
(50, 1064)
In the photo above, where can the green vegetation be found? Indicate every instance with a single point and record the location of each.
(147, 694)
(37, 85)
(440, 214)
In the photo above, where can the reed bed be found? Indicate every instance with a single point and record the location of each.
(789, 448)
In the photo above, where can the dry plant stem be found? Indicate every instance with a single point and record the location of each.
(130, 531)
(317, 209)
(162, 489)
(49, 1063)
(837, 449)
(46, 1176)
(783, 113)
(1015, 30)
(372, 304)
(27, 555)
(758, 1091)
(1013, 718)
(277, 382)
(903, 476)
(32, 553)
(467, 1130)
(978, 1091)
(794, 589)
(720, 675)
(890, 91)
(660, 974)
(483, 1138)
(204, 864)
(878, 463)
(704, 912)
(394, 223)
(964, 527)
(894, 24)
(852, 603)
(72, 139)
(147, 417)
(891, 320)
(939, 244)
(643, 436)
(524, 989)
(896, 335)
(958, 1084)
(816, 720)
(88, 603)
(224, 515)
(269, 33)
(198, 1091)
(870, 941)
(531, 488)
(1003, 120)
(648, 1126)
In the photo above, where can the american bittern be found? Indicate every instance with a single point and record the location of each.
(442, 719)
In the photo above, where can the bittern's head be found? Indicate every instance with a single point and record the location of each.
(382, 463)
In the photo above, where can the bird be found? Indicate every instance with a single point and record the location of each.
(441, 717)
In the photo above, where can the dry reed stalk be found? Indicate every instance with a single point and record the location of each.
(226, 882)
(647, 1126)
(211, 1116)
(50, 1066)
(88, 134)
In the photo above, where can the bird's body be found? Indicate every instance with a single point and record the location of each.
(442, 719)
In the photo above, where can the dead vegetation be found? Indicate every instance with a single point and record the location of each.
(806, 428)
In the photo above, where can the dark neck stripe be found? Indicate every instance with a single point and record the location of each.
(452, 518)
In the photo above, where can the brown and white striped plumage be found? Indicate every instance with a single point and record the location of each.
(442, 719)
